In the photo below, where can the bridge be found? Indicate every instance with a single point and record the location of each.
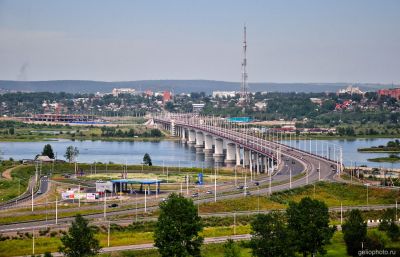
(254, 148)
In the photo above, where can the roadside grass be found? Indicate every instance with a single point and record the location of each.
(337, 248)
(9, 189)
(117, 238)
(333, 194)
(240, 204)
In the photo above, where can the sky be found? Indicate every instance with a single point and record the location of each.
(288, 41)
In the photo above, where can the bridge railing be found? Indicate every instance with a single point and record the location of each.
(266, 141)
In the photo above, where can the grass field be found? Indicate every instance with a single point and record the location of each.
(333, 194)
(23, 245)
(337, 247)
(20, 178)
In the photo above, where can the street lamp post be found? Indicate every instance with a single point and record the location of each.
(108, 235)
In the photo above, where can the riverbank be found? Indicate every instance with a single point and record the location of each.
(390, 159)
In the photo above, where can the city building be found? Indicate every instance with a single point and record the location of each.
(117, 91)
(350, 90)
(316, 100)
(260, 106)
(198, 107)
(167, 96)
(222, 94)
(149, 93)
(395, 93)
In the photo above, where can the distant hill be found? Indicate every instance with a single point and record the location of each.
(177, 86)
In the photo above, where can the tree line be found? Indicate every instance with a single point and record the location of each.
(114, 132)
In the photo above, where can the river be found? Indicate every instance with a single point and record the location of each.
(171, 153)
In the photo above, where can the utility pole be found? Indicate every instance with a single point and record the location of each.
(245, 184)
(56, 210)
(341, 213)
(105, 205)
(215, 185)
(187, 184)
(32, 198)
(270, 183)
(108, 235)
(33, 242)
(235, 177)
(145, 200)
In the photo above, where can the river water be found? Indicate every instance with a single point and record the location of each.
(171, 153)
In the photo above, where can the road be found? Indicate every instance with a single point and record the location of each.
(27, 195)
(207, 240)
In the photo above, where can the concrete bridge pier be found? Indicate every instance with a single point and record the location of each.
(192, 137)
(266, 160)
(246, 158)
(183, 135)
(230, 153)
(219, 148)
(208, 144)
(238, 158)
(199, 141)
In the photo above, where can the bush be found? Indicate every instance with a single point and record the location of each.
(376, 240)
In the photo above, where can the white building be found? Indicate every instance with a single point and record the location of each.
(351, 90)
(222, 94)
(316, 100)
(260, 105)
(198, 107)
(117, 91)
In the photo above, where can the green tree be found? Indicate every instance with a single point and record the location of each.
(376, 240)
(147, 159)
(71, 153)
(393, 231)
(47, 254)
(388, 216)
(80, 240)
(231, 249)
(48, 151)
(354, 232)
(155, 133)
(169, 106)
(389, 225)
(308, 223)
(270, 236)
(11, 131)
(177, 229)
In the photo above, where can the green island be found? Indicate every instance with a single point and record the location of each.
(17, 131)
(391, 158)
(390, 147)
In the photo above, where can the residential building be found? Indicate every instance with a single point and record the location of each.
(395, 93)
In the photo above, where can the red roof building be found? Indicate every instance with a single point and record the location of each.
(395, 93)
(166, 96)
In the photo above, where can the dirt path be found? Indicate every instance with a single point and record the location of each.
(7, 173)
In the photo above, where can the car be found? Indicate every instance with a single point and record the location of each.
(293, 162)
(240, 187)
(39, 192)
(209, 192)
(113, 205)
(256, 183)
(195, 195)
(248, 193)
(245, 187)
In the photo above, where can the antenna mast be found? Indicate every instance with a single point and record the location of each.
(244, 87)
